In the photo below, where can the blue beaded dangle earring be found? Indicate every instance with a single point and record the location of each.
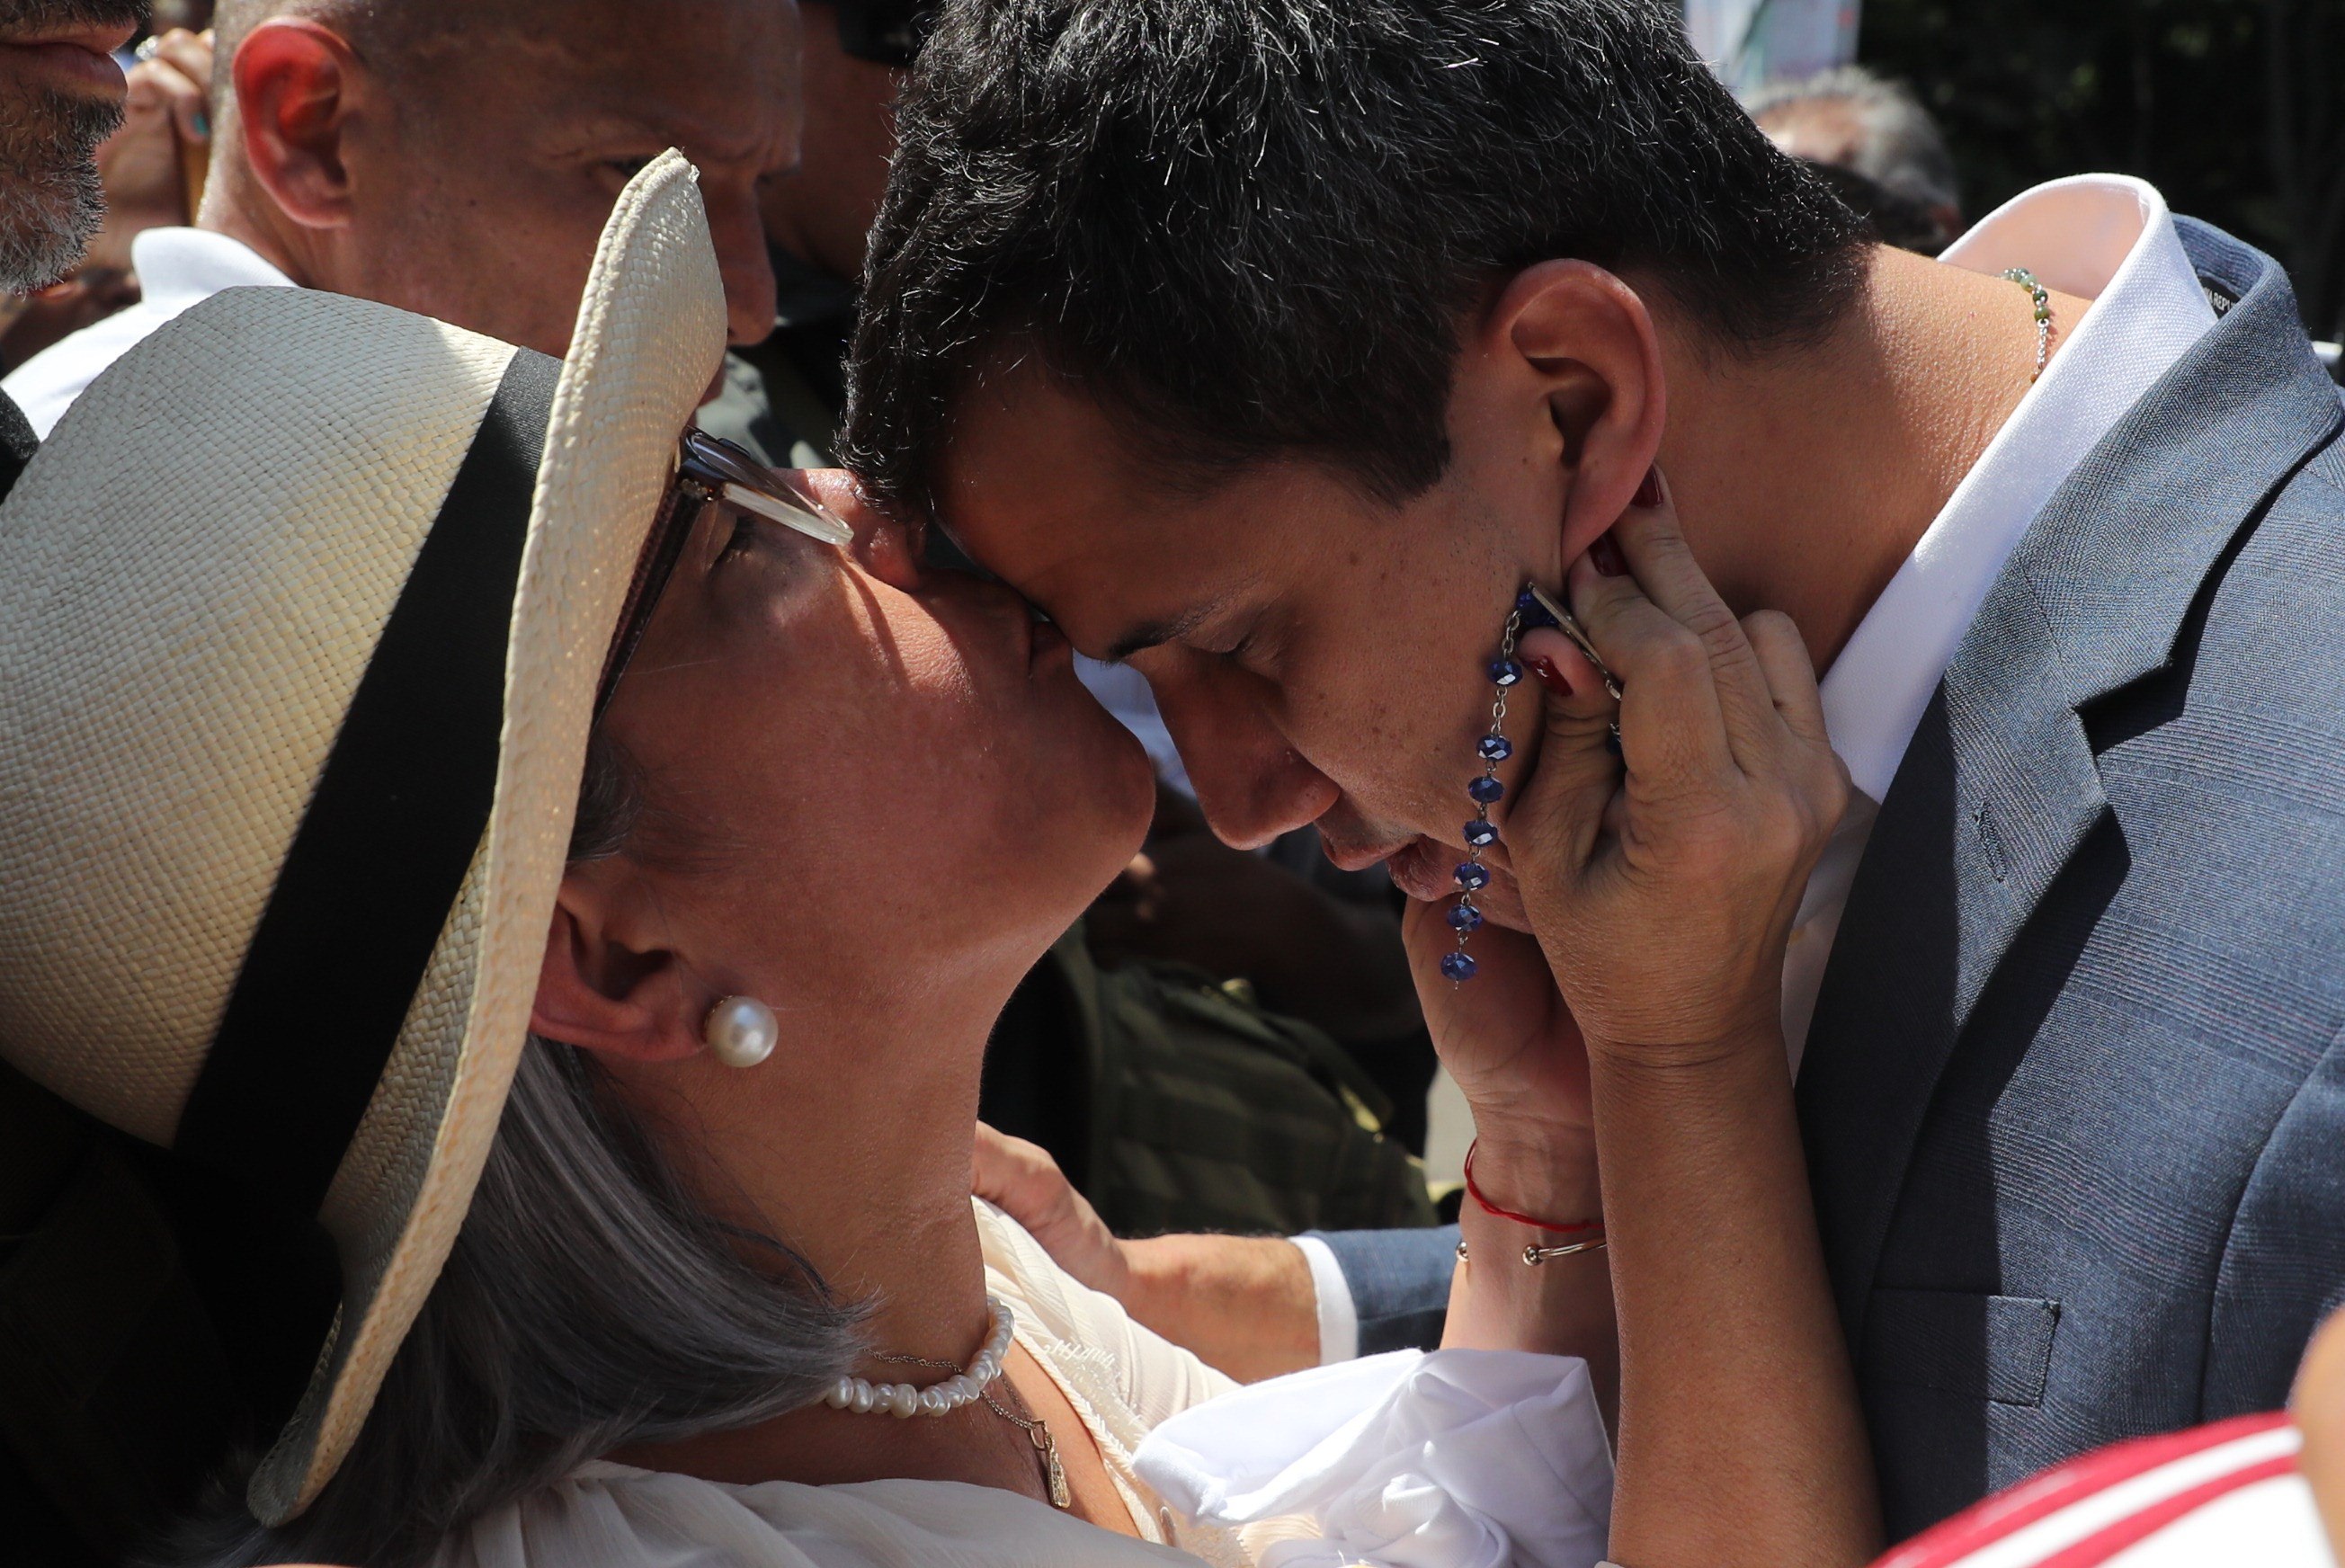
(1485, 791)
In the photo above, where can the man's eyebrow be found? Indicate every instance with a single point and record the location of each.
(1156, 633)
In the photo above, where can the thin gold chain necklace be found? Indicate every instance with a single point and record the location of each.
(1037, 1430)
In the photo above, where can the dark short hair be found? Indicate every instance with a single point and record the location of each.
(1249, 228)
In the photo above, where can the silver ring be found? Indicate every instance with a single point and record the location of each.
(148, 47)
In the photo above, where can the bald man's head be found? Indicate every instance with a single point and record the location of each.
(459, 157)
(396, 36)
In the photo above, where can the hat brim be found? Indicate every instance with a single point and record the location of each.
(650, 335)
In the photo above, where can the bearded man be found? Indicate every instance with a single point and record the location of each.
(60, 95)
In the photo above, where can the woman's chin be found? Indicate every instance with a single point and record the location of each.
(1102, 816)
(1133, 781)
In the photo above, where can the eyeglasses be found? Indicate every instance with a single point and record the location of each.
(708, 469)
(719, 470)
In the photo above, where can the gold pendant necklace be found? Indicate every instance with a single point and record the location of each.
(1054, 1474)
(1037, 1431)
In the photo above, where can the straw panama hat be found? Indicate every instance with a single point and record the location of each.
(302, 611)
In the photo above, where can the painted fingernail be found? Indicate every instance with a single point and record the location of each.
(203, 124)
(1649, 494)
(1605, 556)
(1549, 673)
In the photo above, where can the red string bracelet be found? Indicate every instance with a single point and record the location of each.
(1475, 1192)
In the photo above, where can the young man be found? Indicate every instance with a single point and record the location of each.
(458, 158)
(1273, 346)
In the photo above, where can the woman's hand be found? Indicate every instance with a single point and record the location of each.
(1662, 885)
(1507, 1039)
(1663, 893)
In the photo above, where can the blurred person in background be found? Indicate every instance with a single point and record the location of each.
(1850, 122)
(457, 157)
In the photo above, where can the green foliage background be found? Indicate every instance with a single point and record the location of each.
(2235, 108)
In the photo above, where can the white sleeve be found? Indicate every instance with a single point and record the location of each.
(1458, 1458)
(1339, 1315)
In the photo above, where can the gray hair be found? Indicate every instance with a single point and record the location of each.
(1899, 146)
(590, 1301)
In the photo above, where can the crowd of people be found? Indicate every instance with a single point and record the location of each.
(754, 756)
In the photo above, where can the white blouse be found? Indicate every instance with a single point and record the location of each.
(1460, 1458)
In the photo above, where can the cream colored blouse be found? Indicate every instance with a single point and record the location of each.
(1360, 1443)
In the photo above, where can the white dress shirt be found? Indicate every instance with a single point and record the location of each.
(2102, 237)
(177, 267)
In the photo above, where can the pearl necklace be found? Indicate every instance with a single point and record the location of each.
(864, 1397)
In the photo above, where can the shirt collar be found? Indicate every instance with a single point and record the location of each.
(2102, 237)
(178, 267)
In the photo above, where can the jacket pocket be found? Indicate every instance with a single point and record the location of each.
(1993, 1348)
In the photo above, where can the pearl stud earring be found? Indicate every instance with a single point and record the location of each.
(741, 1031)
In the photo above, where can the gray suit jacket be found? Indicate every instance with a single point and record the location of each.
(2074, 1093)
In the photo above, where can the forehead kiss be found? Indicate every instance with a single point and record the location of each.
(1317, 653)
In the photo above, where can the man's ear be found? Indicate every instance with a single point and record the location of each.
(295, 82)
(1588, 341)
(598, 994)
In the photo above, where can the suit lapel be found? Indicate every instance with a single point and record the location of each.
(1999, 786)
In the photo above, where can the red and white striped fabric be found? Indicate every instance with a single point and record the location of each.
(2210, 1498)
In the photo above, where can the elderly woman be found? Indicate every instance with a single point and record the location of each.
(582, 878)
